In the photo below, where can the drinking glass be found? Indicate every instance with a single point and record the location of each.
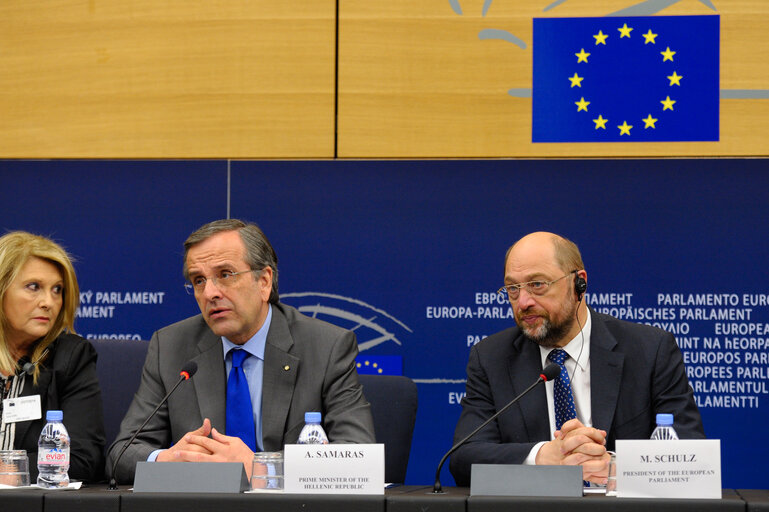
(611, 483)
(14, 468)
(267, 471)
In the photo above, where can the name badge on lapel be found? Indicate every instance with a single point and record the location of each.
(22, 408)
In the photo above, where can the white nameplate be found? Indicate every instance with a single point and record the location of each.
(23, 408)
(669, 469)
(334, 468)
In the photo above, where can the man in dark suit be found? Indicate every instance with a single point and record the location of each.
(293, 364)
(620, 374)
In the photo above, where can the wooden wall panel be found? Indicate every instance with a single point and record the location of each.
(239, 79)
(415, 80)
(144, 78)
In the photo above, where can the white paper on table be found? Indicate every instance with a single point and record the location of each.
(73, 486)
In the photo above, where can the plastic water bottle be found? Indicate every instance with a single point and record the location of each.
(53, 452)
(313, 432)
(664, 430)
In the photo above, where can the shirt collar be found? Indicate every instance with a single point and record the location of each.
(578, 350)
(255, 345)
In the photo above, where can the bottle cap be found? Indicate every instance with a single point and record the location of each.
(54, 415)
(665, 420)
(312, 417)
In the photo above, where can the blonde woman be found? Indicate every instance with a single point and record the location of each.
(40, 354)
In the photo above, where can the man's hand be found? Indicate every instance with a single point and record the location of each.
(173, 453)
(597, 470)
(578, 445)
(217, 448)
(578, 439)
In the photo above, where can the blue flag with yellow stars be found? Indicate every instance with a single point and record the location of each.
(379, 365)
(626, 79)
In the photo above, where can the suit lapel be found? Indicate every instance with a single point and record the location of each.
(605, 374)
(210, 380)
(280, 373)
(525, 365)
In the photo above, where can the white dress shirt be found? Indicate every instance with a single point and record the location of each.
(578, 367)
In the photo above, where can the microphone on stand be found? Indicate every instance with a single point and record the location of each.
(551, 371)
(186, 373)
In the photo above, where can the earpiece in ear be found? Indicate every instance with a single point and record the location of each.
(580, 285)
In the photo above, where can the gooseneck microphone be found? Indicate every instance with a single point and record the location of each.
(186, 373)
(551, 371)
(28, 366)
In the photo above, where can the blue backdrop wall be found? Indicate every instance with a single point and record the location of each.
(409, 253)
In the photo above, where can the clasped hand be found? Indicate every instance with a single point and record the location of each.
(206, 444)
(578, 445)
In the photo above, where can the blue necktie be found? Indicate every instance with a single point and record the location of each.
(240, 413)
(562, 397)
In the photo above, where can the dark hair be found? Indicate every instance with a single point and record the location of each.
(259, 252)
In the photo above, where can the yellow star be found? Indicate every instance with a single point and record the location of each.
(600, 38)
(600, 122)
(582, 104)
(624, 128)
(667, 104)
(576, 80)
(582, 55)
(624, 31)
(649, 122)
(668, 54)
(650, 36)
(675, 79)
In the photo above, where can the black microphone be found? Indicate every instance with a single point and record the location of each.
(551, 371)
(186, 373)
(28, 366)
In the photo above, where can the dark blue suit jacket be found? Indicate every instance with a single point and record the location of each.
(636, 372)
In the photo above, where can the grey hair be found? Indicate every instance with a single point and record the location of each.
(259, 252)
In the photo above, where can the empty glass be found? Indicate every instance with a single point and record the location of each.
(267, 471)
(611, 483)
(14, 468)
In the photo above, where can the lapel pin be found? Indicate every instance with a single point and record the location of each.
(287, 367)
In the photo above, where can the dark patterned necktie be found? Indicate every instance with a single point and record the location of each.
(562, 397)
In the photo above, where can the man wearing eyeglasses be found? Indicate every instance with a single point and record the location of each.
(615, 375)
(261, 364)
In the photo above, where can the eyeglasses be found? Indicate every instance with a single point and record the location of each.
(225, 279)
(513, 291)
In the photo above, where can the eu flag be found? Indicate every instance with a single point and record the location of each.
(379, 365)
(625, 79)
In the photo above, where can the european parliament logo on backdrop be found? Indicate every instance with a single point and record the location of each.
(626, 79)
(374, 327)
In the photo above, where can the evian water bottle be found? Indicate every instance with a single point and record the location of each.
(53, 452)
(664, 430)
(313, 432)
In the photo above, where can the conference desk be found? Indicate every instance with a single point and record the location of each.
(397, 499)
(756, 499)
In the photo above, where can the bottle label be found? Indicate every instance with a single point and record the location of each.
(313, 435)
(53, 456)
